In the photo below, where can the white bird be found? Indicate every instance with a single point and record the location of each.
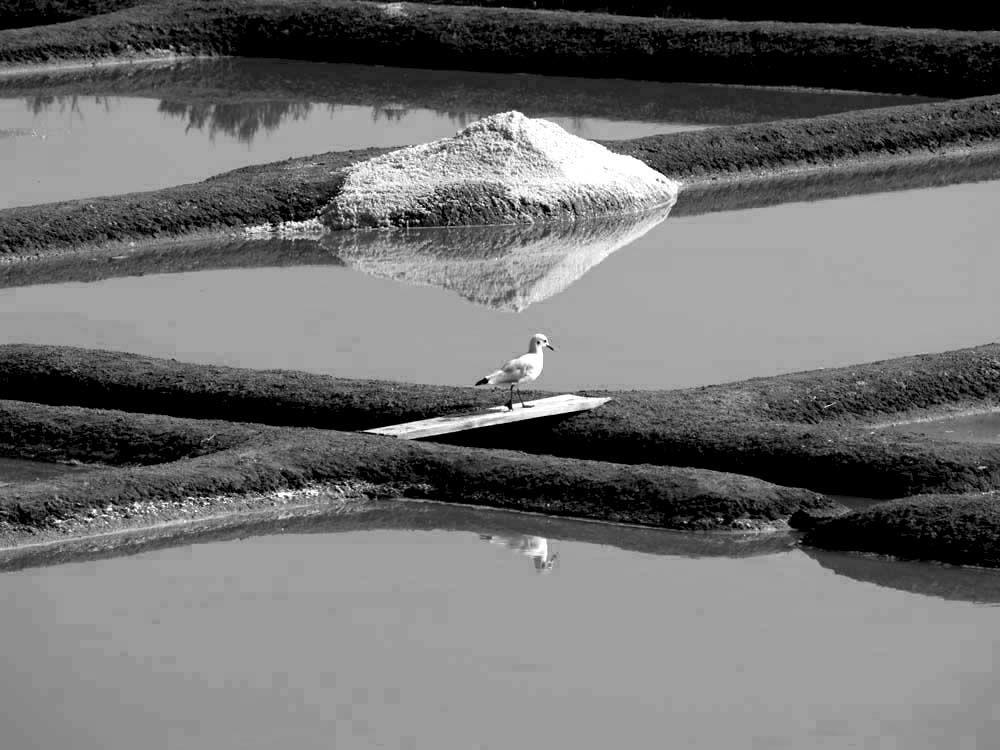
(523, 369)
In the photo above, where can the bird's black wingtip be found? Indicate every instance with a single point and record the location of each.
(482, 381)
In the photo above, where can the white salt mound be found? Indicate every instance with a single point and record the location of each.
(503, 169)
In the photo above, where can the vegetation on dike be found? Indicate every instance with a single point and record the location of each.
(813, 429)
(17, 13)
(297, 189)
(929, 62)
(963, 530)
(964, 16)
(185, 458)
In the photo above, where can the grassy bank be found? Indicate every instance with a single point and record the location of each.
(957, 529)
(19, 13)
(15, 14)
(809, 430)
(929, 62)
(199, 460)
(965, 16)
(297, 189)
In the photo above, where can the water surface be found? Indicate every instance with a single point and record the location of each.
(451, 637)
(972, 428)
(693, 300)
(75, 134)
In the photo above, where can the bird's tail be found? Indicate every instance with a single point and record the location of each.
(482, 381)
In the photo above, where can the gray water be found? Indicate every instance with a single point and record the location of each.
(972, 428)
(76, 134)
(443, 633)
(693, 300)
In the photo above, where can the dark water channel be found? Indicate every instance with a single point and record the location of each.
(438, 628)
(138, 127)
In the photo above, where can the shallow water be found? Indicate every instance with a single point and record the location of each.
(973, 428)
(429, 635)
(127, 128)
(694, 300)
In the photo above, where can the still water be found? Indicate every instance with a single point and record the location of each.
(971, 428)
(649, 304)
(446, 633)
(128, 128)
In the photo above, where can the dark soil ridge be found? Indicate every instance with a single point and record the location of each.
(17, 14)
(21, 13)
(296, 189)
(891, 60)
(956, 529)
(812, 429)
(971, 16)
(859, 177)
(184, 459)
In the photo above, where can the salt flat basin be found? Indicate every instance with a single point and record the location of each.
(435, 636)
(967, 428)
(694, 300)
(63, 134)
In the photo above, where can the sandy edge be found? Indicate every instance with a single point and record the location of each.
(123, 521)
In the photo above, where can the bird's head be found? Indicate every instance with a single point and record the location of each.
(538, 341)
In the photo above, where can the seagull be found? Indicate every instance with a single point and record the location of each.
(523, 369)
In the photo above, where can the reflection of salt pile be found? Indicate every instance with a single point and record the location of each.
(507, 268)
(503, 169)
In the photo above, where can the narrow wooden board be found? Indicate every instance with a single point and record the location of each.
(543, 407)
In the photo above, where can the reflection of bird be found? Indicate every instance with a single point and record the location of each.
(535, 547)
(523, 369)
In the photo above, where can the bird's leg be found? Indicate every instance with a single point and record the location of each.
(523, 405)
(510, 400)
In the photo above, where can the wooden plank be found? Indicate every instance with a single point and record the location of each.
(542, 407)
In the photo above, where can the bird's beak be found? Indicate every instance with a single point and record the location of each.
(551, 347)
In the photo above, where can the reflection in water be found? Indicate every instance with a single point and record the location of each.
(929, 579)
(506, 267)
(535, 547)
(245, 120)
(239, 120)
(412, 516)
(166, 257)
(396, 90)
(531, 536)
